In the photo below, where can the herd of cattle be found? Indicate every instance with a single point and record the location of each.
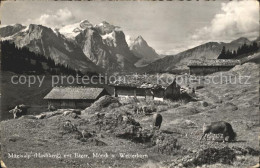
(220, 127)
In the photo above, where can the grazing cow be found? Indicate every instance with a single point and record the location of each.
(157, 121)
(15, 111)
(220, 127)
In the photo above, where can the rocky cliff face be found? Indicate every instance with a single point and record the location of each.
(105, 45)
(45, 41)
(143, 51)
(94, 49)
(117, 45)
(114, 39)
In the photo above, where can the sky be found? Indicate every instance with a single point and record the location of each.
(169, 27)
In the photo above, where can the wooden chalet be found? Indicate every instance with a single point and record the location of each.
(147, 89)
(74, 97)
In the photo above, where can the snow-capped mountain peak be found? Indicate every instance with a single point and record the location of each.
(106, 28)
(110, 36)
(142, 50)
(72, 30)
(140, 41)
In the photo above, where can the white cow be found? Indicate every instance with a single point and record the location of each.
(15, 111)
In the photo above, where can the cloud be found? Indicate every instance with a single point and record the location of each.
(174, 51)
(61, 17)
(237, 19)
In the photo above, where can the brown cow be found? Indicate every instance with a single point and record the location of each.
(157, 121)
(220, 127)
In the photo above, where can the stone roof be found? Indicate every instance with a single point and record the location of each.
(213, 62)
(74, 93)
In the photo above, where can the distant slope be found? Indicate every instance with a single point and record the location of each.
(255, 57)
(23, 61)
(179, 61)
(233, 45)
(209, 50)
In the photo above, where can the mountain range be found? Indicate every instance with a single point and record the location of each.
(81, 45)
(103, 48)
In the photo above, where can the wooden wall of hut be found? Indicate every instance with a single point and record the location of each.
(74, 104)
(124, 91)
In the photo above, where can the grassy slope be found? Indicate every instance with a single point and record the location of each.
(44, 135)
(245, 120)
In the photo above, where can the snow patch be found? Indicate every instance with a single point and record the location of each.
(68, 31)
(71, 31)
(6, 38)
(25, 29)
(129, 40)
(108, 36)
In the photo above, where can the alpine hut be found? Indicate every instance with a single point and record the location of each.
(207, 66)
